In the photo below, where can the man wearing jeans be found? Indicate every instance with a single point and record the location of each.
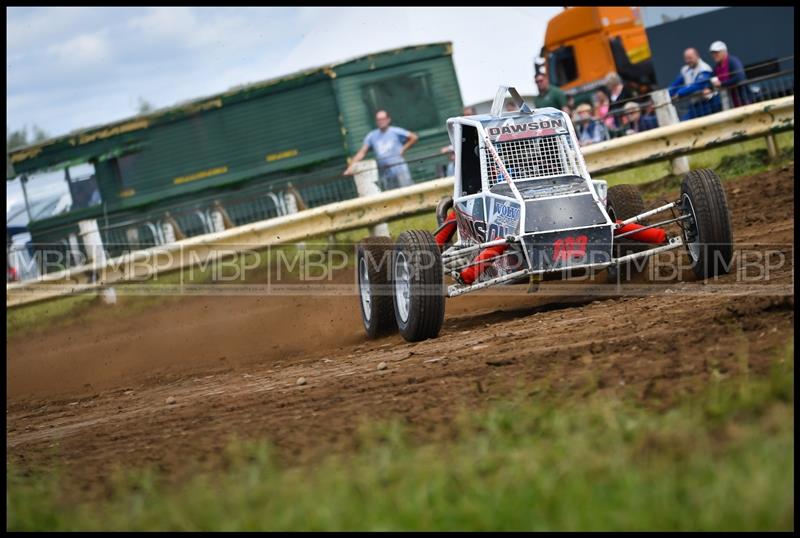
(389, 144)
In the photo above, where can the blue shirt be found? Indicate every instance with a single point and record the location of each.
(591, 131)
(387, 145)
(691, 80)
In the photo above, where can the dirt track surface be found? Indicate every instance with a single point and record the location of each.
(90, 397)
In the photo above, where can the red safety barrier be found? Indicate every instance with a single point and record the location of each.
(469, 274)
(650, 235)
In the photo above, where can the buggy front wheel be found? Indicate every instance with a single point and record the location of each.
(707, 232)
(418, 286)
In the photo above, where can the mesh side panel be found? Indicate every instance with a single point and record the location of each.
(532, 158)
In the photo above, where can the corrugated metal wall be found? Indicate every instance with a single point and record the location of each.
(256, 137)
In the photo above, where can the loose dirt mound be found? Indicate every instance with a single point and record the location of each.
(94, 396)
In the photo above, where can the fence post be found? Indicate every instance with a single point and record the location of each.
(298, 198)
(132, 235)
(772, 147)
(93, 242)
(75, 249)
(169, 232)
(221, 217)
(291, 202)
(216, 219)
(667, 115)
(725, 98)
(366, 178)
(172, 231)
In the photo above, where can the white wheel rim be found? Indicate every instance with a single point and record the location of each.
(363, 285)
(402, 286)
(692, 246)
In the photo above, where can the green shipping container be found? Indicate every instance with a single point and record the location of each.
(239, 149)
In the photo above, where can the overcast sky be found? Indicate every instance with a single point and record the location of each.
(69, 68)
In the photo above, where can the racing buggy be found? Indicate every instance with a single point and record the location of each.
(525, 209)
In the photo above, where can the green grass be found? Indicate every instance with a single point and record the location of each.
(26, 318)
(86, 307)
(721, 460)
(34, 318)
(729, 161)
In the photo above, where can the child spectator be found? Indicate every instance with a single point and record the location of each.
(601, 107)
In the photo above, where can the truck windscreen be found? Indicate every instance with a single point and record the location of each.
(563, 68)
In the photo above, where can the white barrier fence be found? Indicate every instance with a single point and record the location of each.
(727, 127)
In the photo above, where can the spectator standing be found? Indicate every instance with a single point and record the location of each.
(588, 129)
(618, 95)
(694, 83)
(548, 95)
(601, 105)
(389, 144)
(450, 169)
(729, 73)
(634, 121)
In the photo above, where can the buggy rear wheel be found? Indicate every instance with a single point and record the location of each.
(624, 202)
(445, 204)
(374, 265)
(418, 286)
(707, 232)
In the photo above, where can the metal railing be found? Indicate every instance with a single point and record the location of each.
(216, 213)
(749, 91)
(211, 213)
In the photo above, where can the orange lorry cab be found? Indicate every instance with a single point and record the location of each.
(583, 45)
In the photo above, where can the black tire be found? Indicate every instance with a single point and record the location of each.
(418, 286)
(374, 255)
(708, 233)
(444, 205)
(624, 202)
